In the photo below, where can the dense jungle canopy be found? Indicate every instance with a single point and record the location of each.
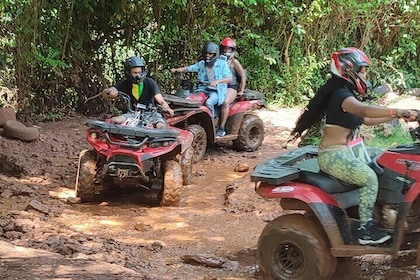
(59, 53)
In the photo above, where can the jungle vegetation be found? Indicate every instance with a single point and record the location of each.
(56, 54)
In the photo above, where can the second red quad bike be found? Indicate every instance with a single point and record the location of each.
(323, 217)
(243, 126)
(135, 154)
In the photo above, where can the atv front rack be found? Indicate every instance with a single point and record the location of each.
(140, 132)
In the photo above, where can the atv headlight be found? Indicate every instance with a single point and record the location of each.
(94, 135)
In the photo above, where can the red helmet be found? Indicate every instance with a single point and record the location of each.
(346, 64)
(227, 42)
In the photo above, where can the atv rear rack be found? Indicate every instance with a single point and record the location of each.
(281, 169)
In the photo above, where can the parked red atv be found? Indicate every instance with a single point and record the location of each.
(306, 243)
(243, 126)
(134, 154)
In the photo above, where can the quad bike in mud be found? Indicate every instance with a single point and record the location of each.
(135, 154)
(322, 217)
(243, 126)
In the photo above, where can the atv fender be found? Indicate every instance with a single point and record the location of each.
(297, 190)
(243, 106)
(301, 196)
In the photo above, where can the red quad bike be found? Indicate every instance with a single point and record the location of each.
(243, 127)
(304, 244)
(135, 154)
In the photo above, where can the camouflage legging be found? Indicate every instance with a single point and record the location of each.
(339, 162)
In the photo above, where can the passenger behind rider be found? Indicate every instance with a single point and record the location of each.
(236, 87)
(340, 100)
(141, 89)
(213, 72)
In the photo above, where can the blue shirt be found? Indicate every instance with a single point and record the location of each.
(221, 71)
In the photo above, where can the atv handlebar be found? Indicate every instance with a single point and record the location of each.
(139, 107)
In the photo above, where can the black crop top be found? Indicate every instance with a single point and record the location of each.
(336, 115)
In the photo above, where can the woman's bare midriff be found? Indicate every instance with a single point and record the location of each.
(335, 135)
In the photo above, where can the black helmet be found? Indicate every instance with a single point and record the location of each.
(133, 62)
(213, 48)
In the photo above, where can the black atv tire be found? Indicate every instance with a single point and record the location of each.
(16, 130)
(251, 134)
(199, 143)
(293, 247)
(170, 194)
(86, 176)
(187, 158)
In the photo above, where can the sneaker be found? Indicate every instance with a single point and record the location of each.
(371, 234)
(220, 132)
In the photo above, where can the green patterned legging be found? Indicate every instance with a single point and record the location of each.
(339, 162)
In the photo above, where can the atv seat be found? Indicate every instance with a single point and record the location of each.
(311, 174)
(141, 132)
(325, 181)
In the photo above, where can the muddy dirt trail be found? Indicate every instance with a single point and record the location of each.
(211, 235)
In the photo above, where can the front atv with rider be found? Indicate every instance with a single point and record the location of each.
(243, 127)
(322, 218)
(135, 154)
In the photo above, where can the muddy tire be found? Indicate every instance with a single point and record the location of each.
(86, 176)
(199, 143)
(17, 130)
(251, 134)
(7, 114)
(170, 194)
(187, 158)
(293, 247)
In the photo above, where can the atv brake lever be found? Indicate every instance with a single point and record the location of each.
(93, 97)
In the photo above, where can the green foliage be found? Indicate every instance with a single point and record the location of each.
(398, 136)
(69, 50)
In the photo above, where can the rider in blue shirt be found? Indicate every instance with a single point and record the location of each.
(213, 72)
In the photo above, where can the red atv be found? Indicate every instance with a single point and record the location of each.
(243, 127)
(135, 154)
(304, 244)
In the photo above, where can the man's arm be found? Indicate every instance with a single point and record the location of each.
(180, 69)
(159, 98)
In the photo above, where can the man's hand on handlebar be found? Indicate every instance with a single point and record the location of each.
(110, 93)
(167, 109)
(171, 112)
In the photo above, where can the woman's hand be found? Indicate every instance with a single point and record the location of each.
(408, 115)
